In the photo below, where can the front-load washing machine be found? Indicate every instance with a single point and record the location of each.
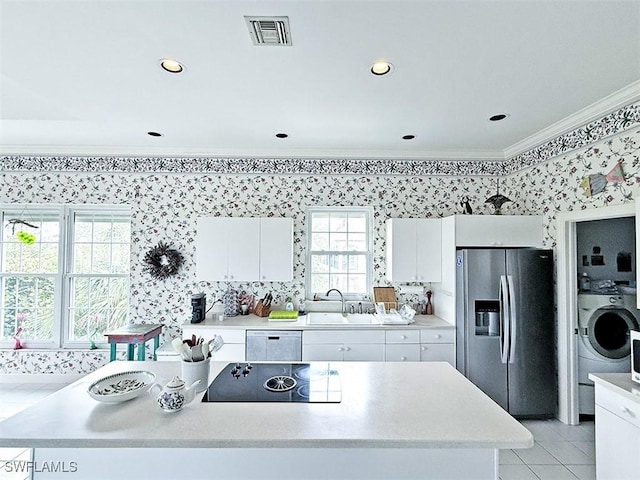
(604, 322)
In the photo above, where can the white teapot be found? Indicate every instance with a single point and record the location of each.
(175, 394)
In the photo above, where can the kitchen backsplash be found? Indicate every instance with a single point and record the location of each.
(165, 208)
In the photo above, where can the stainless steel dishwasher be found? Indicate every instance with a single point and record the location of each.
(274, 345)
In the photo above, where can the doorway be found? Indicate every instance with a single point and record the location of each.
(567, 300)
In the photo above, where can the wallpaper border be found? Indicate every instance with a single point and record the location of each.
(614, 123)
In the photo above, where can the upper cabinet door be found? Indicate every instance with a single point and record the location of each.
(429, 249)
(276, 249)
(498, 230)
(414, 250)
(244, 249)
(239, 249)
(401, 250)
(211, 249)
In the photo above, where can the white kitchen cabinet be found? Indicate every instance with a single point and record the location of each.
(233, 249)
(459, 231)
(343, 345)
(438, 345)
(617, 436)
(402, 346)
(276, 249)
(233, 349)
(414, 250)
(498, 230)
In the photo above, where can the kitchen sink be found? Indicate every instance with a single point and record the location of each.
(326, 318)
(335, 318)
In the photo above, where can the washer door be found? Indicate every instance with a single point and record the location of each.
(608, 331)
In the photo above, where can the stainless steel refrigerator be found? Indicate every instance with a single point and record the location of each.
(506, 329)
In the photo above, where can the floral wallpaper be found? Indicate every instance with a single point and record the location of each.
(165, 207)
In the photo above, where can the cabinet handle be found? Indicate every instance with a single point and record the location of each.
(437, 335)
(403, 337)
(230, 276)
(625, 410)
(341, 349)
(423, 348)
(347, 349)
(403, 358)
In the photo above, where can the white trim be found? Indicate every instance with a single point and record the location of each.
(567, 298)
(625, 96)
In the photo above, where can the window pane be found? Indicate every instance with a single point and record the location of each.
(357, 242)
(121, 254)
(320, 241)
(338, 222)
(121, 232)
(97, 305)
(82, 258)
(320, 283)
(28, 303)
(320, 222)
(357, 223)
(338, 242)
(82, 231)
(320, 263)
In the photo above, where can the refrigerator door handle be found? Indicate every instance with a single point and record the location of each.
(512, 319)
(504, 320)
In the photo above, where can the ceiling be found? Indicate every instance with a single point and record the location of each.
(83, 77)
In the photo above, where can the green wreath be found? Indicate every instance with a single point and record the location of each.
(162, 261)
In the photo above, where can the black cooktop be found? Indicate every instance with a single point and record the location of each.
(314, 382)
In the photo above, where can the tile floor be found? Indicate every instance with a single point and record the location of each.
(560, 451)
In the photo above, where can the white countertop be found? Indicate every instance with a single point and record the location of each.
(262, 323)
(618, 382)
(410, 405)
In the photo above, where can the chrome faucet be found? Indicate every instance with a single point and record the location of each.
(342, 310)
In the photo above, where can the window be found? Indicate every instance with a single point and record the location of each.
(72, 283)
(339, 250)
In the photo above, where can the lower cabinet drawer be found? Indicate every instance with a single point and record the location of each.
(438, 352)
(402, 353)
(620, 406)
(437, 335)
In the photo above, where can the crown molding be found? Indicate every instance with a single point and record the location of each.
(625, 96)
(310, 154)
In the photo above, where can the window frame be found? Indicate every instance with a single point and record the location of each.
(63, 278)
(368, 253)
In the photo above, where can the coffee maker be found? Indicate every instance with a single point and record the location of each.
(199, 305)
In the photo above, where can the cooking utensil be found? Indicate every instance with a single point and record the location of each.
(215, 343)
(196, 353)
(205, 349)
(180, 347)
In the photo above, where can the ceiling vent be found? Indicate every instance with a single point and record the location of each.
(269, 30)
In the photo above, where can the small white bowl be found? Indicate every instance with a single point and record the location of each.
(121, 387)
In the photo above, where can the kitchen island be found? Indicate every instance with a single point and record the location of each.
(395, 420)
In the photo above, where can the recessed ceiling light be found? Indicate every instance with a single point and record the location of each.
(500, 116)
(408, 137)
(381, 68)
(281, 135)
(171, 66)
(154, 134)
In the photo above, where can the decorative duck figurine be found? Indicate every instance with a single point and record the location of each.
(175, 394)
